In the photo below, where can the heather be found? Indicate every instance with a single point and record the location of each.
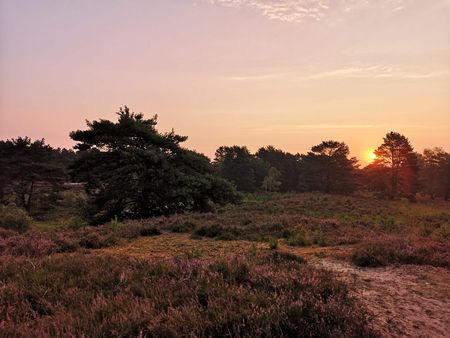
(419, 232)
(385, 250)
(264, 295)
(40, 243)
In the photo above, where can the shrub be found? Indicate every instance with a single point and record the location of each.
(386, 250)
(149, 231)
(98, 296)
(209, 231)
(304, 237)
(298, 239)
(14, 218)
(32, 245)
(76, 223)
(182, 227)
(273, 244)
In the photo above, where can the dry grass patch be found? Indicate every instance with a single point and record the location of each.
(173, 245)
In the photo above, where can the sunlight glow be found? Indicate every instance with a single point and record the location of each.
(373, 156)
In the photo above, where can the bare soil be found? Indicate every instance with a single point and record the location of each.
(406, 301)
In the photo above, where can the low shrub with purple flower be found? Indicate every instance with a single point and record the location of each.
(97, 296)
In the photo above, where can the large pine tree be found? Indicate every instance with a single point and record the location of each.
(133, 171)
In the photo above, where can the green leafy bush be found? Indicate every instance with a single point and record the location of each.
(14, 218)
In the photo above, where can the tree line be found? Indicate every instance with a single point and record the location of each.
(131, 170)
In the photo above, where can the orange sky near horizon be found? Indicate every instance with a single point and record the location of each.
(288, 73)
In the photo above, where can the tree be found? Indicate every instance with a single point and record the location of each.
(328, 168)
(29, 170)
(133, 171)
(286, 164)
(434, 174)
(271, 181)
(397, 155)
(237, 165)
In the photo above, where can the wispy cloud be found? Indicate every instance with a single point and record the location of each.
(348, 72)
(255, 77)
(301, 10)
(295, 128)
(375, 72)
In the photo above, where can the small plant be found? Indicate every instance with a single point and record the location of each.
(298, 239)
(76, 223)
(194, 254)
(150, 231)
(209, 231)
(182, 227)
(115, 222)
(273, 244)
(14, 218)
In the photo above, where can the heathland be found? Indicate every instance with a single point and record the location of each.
(274, 265)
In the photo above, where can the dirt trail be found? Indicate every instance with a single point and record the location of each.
(406, 301)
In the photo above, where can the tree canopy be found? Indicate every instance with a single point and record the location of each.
(396, 156)
(30, 169)
(133, 171)
(328, 168)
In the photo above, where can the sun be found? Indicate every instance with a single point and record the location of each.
(373, 156)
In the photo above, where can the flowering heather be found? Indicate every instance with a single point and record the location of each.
(386, 250)
(97, 296)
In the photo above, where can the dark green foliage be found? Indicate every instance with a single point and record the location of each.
(149, 231)
(237, 165)
(31, 172)
(133, 171)
(286, 164)
(434, 174)
(14, 218)
(182, 227)
(395, 168)
(328, 168)
(273, 243)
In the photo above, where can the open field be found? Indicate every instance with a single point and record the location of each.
(322, 265)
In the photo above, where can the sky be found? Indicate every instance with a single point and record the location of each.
(287, 73)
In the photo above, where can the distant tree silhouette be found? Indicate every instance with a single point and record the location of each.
(287, 165)
(30, 169)
(237, 165)
(133, 171)
(397, 156)
(328, 168)
(434, 174)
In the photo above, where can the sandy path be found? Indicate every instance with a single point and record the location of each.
(406, 301)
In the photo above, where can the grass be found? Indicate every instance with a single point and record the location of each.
(299, 220)
(236, 272)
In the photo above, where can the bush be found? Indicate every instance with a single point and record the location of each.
(273, 244)
(182, 227)
(76, 223)
(101, 296)
(209, 231)
(14, 218)
(149, 231)
(31, 245)
(307, 237)
(386, 250)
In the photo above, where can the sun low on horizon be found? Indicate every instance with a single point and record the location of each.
(287, 73)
